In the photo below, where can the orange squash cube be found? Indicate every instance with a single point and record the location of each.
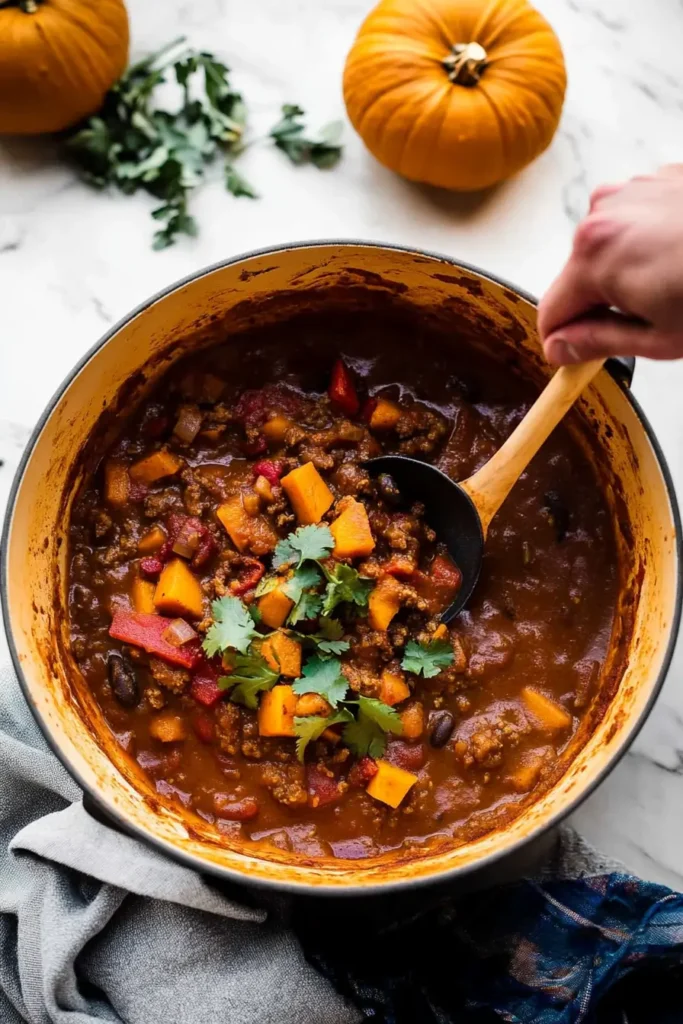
(276, 711)
(549, 713)
(151, 541)
(168, 728)
(142, 595)
(384, 602)
(385, 415)
(248, 533)
(390, 784)
(116, 483)
(309, 494)
(393, 688)
(351, 531)
(275, 429)
(283, 654)
(178, 592)
(274, 608)
(155, 467)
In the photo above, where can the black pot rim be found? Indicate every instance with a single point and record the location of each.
(306, 888)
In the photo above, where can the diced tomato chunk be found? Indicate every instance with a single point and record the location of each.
(410, 756)
(271, 469)
(147, 631)
(439, 585)
(361, 772)
(250, 572)
(176, 523)
(204, 686)
(322, 789)
(203, 726)
(342, 391)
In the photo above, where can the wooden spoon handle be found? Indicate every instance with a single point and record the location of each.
(489, 487)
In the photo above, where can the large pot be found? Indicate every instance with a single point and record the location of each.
(228, 297)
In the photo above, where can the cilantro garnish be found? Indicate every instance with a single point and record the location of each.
(233, 627)
(367, 733)
(307, 542)
(266, 584)
(250, 676)
(323, 676)
(297, 589)
(322, 149)
(345, 584)
(307, 607)
(311, 727)
(427, 659)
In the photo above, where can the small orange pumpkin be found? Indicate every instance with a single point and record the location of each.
(456, 93)
(57, 60)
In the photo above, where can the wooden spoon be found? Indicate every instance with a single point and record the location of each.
(461, 513)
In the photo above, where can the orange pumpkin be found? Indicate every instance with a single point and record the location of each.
(456, 93)
(57, 60)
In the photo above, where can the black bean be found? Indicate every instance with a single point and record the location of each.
(388, 489)
(442, 725)
(123, 681)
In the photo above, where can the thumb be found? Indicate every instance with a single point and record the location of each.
(613, 335)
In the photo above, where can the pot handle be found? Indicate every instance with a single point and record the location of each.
(621, 369)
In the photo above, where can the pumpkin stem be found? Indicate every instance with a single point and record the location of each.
(27, 6)
(466, 63)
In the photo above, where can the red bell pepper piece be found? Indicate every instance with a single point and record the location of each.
(271, 470)
(204, 685)
(342, 391)
(439, 585)
(146, 631)
(251, 571)
(368, 408)
(151, 566)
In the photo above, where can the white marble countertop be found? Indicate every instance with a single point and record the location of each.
(73, 261)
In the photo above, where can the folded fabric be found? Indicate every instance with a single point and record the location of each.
(96, 926)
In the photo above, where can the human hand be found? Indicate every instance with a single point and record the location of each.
(627, 254)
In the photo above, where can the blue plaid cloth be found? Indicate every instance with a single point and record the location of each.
(601, 950)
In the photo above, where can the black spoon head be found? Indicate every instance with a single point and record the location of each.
(449, 511)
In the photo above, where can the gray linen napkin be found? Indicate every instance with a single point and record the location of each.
(96, 926)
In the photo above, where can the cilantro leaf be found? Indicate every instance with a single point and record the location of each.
(345, 584)
(367, 733)
(323, 676)
(266, 584)
(329, 637)
(307, 542)
(233, 627)
(332, 646)
(311, 727)
(250, 676)
(323, 149)
(427, 659)
(307, 607)
(238, 185)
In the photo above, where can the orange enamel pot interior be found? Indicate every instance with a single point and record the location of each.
(260, 288)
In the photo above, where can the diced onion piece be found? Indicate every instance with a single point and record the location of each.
(263, 488)
(178, 633)
(187, 540)
(188, 424)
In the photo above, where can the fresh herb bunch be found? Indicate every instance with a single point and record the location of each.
(132, 143)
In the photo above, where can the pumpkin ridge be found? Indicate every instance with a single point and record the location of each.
(429, 10)
(443, 100)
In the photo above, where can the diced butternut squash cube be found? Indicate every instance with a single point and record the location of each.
(525, 775)
(248, 533)
(413, 721)
(142, 595)
(312, 704)
(178, 591)
(274, 608)
(390, 784)
(275, 429)
(441, 632)
(116, 483)
(276, 711)
(283, 654)
(155, 467)
(385, 415)
(384, 602)
(549, 713)
(168, 728)
(309, 494)
(393, 688)
(351, 531)
(151, 541)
